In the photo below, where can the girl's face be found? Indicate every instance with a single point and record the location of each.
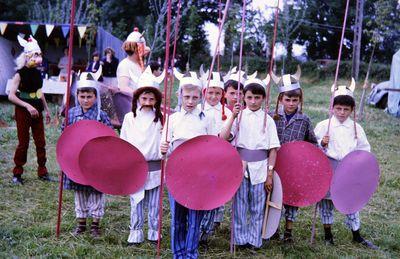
(213, 95)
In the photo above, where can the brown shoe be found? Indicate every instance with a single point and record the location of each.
(95, 230)
(81, 228)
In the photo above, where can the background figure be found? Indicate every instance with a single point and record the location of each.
(110, 64)
(94, 64)
(63, 65)
(155, 68)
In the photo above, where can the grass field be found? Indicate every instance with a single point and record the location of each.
(28, 213)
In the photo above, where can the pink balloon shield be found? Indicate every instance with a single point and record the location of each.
(71, 142)
(113, 166)
(354, 181)
(305, 172)
(204, 173)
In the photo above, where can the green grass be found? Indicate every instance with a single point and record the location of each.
(28, 213)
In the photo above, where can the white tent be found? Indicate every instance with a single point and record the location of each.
(394, 95)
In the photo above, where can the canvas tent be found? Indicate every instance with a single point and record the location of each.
(394, 95)
(52, 45)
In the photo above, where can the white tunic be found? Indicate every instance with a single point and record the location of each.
(215, 114)
(185, 125)
(341, 137)
(145, 134)
(128, 68)
(251, 136)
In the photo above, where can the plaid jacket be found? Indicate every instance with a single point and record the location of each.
(76, 114)
(298, 128)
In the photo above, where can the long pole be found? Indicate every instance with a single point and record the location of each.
(68, 93)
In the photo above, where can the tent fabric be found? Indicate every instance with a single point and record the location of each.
(106, 39)
(394, 96)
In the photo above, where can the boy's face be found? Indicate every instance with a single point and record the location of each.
(342, 112)
(96, 58)
(253, 101)
(190, 99)
(147, 101)
(213, 95)
(290, 104)
(86, 100)
(231, 96)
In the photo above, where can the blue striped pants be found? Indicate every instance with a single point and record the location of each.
(151, 199)
(326, 212)
(291, 212)
(249, 206)
(185, 230)
(207, 223)
(219, 214)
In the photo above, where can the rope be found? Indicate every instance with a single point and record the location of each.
(68, 93)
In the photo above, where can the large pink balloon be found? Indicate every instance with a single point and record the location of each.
(305, 172)
(71, 142)
(354, 181)
(113, 166)
(204, 173)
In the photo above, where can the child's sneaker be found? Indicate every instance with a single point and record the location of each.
(287, 236)
(95, 230)
(81, 228)
(17, 180)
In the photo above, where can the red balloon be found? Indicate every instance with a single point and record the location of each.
(305, 172)
(204, 173)
(71, 142)
(113, 166)
(354, 181)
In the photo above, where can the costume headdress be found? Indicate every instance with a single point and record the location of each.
(344, 90)
(233, 74)
(191, 79)
(27, 57)
(30, 45)
(215, 81)
(263, 83)
(287, 83)
(136, 42)
(89, 80)
(148, 79)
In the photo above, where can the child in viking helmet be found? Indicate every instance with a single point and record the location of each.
(142, 128)
(214, 108)
(292, 125)
(26, 94)
(89, 202)
(235, 80)
(187, 123)
(131, 67)
(257, 147)
(345, 136)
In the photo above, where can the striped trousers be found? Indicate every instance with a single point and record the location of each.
(352, 221)
(89, 204)
(185, 230)
(207, 224)
(150, 200)
(249, 206)
(291, 212)
(219, 214)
